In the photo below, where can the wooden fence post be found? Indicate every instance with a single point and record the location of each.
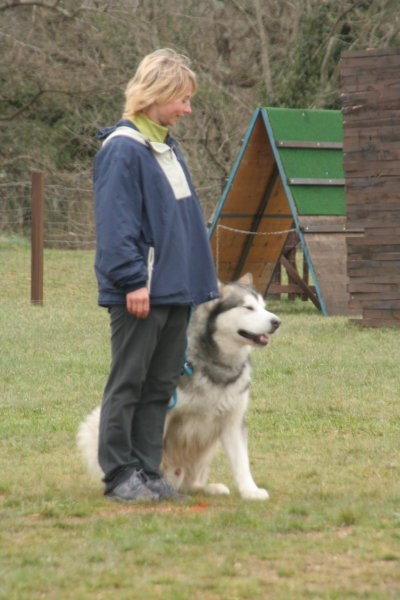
(37, 237)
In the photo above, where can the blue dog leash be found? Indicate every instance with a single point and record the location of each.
(187, 369)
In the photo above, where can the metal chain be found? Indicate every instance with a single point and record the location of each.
(242, 231)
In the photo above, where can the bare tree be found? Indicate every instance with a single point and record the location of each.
(65, 64)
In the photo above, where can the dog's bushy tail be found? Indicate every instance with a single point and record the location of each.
(87, 440)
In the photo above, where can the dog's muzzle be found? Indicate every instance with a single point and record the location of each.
(260, 339)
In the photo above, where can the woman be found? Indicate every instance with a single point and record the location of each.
(153, 262)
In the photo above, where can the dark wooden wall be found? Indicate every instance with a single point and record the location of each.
(370, 83)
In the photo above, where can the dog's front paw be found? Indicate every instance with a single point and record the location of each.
(216, 489)
(254, 494)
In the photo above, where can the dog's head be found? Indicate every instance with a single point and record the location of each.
(239, 317)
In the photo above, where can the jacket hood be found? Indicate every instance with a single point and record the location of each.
(103, 133)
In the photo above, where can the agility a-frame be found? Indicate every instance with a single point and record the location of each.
(288, 177)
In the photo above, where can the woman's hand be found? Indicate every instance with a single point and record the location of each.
(138, 303)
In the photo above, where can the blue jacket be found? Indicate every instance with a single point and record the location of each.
(144, 203)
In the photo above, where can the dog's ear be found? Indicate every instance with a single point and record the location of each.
(225, 290)
(206, 307)
(246, 279)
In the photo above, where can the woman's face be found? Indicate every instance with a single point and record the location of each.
(169, 114)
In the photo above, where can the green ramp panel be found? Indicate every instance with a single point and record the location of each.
(311, 163)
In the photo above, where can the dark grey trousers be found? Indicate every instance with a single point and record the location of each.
(146, 361)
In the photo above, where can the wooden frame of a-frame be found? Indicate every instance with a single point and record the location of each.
(288, 177)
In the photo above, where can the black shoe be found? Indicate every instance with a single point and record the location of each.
(165, 491)
(132, 489)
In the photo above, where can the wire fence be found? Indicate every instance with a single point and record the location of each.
(67, 224)
(68, 214)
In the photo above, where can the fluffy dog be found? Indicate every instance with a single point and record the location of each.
(213, 400)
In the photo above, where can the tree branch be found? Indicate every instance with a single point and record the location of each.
(51, 5)
(264, 48)
(18, 112)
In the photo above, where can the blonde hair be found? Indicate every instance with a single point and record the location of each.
(162, 76)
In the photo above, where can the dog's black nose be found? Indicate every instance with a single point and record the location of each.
(275, 323)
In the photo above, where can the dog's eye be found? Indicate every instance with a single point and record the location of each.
(249, 307)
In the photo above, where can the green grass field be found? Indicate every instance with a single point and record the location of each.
(324, 430)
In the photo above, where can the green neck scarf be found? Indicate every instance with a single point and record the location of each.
(151, 130)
